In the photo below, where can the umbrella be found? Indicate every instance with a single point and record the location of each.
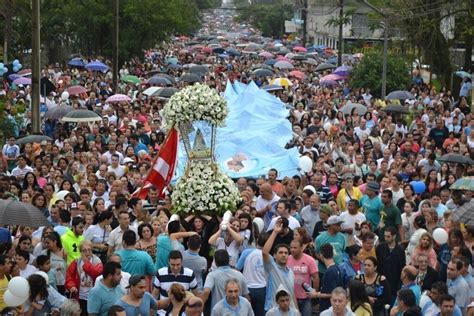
(300, 49)
(199, 70)
(282, 82)
(58, 112)
(25, 72)
(463, 74)
(12, 77)
(46, 86)
(262, 73)
(310, 61)
(97, 66)
(130, 79)
(207, 50)
(171, 60)
(262, 66)
(283, 65)
(399, 95)
(299, 57)
(171, 79)
(167, 92)
(183, 51)
(265, 55)
(233, 52)
(272, 87)
(465, 183)
(395, 108)
(347, 109)
(76, 90)
(297, 74)
(218, 50)
(270, 62)
(151, 91)
(190, 78)
(325, 66)
(331, 77)
(81, 116)
(252, 47)
(343, 71)
(283, 58)
(174, 66)
(158, 80)
(328, 82)
(118, 98)
(456, 158)
(13, 212)
(22, 80)
(32, 139)
(76, 62)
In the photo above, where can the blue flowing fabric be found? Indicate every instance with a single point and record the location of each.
(254, 136)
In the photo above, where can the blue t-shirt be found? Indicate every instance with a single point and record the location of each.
(147, 303)
(136, 262)
(103, 298)
(332, 278)
(338, 243)
(371, 209)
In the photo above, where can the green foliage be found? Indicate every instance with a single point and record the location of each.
(269, 18)
(368, 73)
(8, 126)
(86, 26)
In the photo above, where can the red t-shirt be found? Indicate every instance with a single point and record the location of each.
(302, 269)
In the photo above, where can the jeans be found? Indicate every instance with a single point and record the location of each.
(305, 306)
(257, 297)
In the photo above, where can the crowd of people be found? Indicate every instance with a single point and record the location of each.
(352, 236)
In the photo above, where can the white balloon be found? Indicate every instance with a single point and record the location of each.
(440, 236)
(260, 223)
(61, 194)
(64, 95)
(305, 163)
(12, 300)
(19, 287)
(43, 274)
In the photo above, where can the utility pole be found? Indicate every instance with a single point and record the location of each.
(385, 47)
(35, 67)
(304, 17)
(341, 26)
(115, 41)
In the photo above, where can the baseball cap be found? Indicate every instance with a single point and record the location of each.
(373, 186)
(134, 280)
(335, 220)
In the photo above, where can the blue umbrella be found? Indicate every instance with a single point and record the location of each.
(233, 52)
(219, 50)
(270, 62)
(171, 60)
(332, 60)
(175, 66)
(223, 56)
(12, 77)
(97, 66)
(76, 62)
(343, 71)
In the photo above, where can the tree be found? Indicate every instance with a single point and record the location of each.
(268, 18)
(368, 73)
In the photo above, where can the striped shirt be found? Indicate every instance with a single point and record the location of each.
(324, 193)
(165, 278)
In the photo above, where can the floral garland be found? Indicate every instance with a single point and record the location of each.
(204, 189)
(195, 103)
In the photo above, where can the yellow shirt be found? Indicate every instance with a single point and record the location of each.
(342, 197)
(365, 310)
(3, 289)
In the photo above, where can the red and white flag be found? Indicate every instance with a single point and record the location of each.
(163, 166)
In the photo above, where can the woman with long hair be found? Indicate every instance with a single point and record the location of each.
(302, 236)
(40, 246)
(431, 181)
(39, 200)
(409, 196)
(30, 184)
(347, 193)
(246, 230)
(232, 240)
(431, 220)
(445, 253)
(359, 302)
(376, 286)
(425, 247)
(57, 256)
(147, 242)
(177, 296)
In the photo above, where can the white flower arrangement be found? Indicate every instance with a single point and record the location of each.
(196, 103)
(204, 189)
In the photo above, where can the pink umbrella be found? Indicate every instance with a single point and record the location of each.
(24, 72)
(331, 77)
(297, 74)
(300, 49)
(76, 90)
(22, 80)
(207, 50)
(183, 51)
(118, 98)
(265, 55)
(283, 58)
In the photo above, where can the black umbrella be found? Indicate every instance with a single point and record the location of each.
(13, 212)
(199, 69)
(58, 112)
(46, 87)
(190, 78)
(166, 76)
(32, 139)
(395, 108)
(325, 66)
(456, 158)
(156, 80)
(166, 92)
(262, 66)
(263, 73)
(299, 57)
(218, 50)
(399, 95)
(81, 116)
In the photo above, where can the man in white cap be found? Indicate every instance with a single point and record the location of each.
(334, 237)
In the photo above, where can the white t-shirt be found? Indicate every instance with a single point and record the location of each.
(119, 171)
(292, 223)
(233, 250)
(397, 195)
(350, 221)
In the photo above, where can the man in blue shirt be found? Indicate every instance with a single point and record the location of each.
(137, 145)
(106, 292)
(134, 261)
(371, 203)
